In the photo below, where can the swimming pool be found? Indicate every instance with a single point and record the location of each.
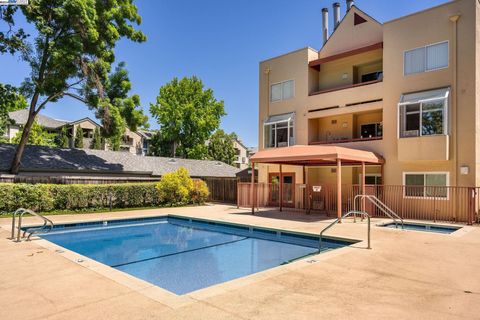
(422, 227)
(181, 254)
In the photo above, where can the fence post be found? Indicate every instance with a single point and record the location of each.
(471, 207)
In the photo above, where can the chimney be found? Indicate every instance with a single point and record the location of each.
(336, 14)
(350, 4)
(325, 24)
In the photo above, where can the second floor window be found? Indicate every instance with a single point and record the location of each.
(282, 91)
(423, 113)
(428, 58)
(279, 131)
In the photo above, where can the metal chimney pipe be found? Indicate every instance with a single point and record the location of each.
(325, 24)
(350, 4)
(336, 14)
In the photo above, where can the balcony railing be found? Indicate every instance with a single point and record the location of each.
(361, 84)
(333, 141)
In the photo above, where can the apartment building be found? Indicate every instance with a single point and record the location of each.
(134, 142)
(242, 155)
(406, 89)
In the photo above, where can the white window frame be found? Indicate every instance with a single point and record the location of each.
(425, 54)
(289, 129)
(446, 173)
(421, 102)
(282, 83)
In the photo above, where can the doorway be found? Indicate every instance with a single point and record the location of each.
(288, 189)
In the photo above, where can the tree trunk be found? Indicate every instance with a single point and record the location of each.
(15, 166)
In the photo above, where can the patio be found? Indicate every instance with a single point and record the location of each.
(406, 275)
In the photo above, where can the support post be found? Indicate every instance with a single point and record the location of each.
(252, 186)
(339, 190)
(281, 189)
(363, 186)
(305, 197)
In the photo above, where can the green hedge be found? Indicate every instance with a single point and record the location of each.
(53, 197)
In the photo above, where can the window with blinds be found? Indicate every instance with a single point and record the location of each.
(282, 91)
(428, 58)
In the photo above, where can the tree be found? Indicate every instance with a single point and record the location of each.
(97, 140)
(187, 114)
(70, 55)
(221, 147)
(38, 136)
(78, 142)
(62, 140)
(10, 100)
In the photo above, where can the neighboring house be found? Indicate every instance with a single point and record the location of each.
(133, 142)
(57, 165)
(407, 89)
(242, 155)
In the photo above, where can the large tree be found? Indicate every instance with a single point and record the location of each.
(10, 100)
(187, 114)
(221, 148)
(70, 55)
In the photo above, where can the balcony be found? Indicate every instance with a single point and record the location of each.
(362, 130)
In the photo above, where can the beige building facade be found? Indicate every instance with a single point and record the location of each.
(407, 89)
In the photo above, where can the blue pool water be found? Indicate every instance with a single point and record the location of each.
(423, 227)
(183, 255)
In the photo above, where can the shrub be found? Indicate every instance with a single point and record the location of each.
(174, 188)
(199, 192)
(49, 197)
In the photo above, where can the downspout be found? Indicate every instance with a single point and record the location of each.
(454, 20)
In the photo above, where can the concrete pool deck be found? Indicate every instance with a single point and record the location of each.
(406, 275)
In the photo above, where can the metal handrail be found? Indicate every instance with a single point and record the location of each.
(20, 212)
(380, 205)
(338, 220)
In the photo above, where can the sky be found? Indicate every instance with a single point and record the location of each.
(219, 41)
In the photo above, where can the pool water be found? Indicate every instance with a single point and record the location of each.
(183, 255)
(423, 227)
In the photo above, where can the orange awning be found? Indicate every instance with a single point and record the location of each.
(315, 155)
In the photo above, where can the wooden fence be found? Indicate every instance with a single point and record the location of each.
(222, 189)
(449, 204)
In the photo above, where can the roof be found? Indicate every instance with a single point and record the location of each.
(315, 155)
(146, 134)
(20, 117)
(82, 120)
(46, 159)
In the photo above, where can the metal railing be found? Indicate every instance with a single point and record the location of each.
(47, 223)
(380, 205)
(363, 213)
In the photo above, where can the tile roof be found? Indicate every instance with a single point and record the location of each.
(39, 158)
(20, 117)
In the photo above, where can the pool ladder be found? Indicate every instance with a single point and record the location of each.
(354, 212)
(380, 205)
(46, 227)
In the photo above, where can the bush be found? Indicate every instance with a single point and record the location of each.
(49, 197)
(174, 188)
(199, 192)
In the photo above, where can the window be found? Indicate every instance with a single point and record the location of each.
(371, 179)
(423, 113)
(429, 58)
(279, 131)
(282, 91)
(426, 185)
(371, 130)
(374, 76)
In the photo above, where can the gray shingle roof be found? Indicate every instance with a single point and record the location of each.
(20, 117)
(39, 158)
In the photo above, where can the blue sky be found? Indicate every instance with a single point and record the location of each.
(220, 41)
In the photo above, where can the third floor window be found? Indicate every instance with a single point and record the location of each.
(282, 90)
(428, 58)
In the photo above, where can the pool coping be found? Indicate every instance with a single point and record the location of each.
(175, 301)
